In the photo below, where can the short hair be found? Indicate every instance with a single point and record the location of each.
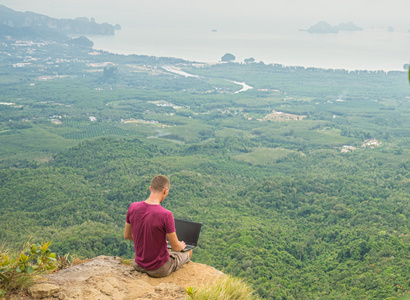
(159, 183)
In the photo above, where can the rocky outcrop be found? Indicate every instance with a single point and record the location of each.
(43, 290)
(105, 277)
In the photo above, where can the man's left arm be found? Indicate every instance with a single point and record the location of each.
(128, 232)
(176, 244)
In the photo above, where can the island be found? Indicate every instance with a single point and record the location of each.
(324, 27)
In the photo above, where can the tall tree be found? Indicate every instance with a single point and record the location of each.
(228, 57)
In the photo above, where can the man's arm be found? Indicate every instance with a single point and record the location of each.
(128, 232)
(176, 245)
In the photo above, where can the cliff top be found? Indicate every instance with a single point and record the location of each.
(105, 277)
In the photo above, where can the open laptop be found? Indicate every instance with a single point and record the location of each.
(188, 232)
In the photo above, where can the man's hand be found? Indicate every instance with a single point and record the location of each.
(176, 245)
(182, 244)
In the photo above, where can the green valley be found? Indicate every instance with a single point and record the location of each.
(302, 181)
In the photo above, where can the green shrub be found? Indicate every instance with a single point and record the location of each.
(16, 269)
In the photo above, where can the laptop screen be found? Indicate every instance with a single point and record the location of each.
(188, 231)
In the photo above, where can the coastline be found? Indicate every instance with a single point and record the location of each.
(365, 50)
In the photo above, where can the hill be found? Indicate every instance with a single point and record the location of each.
(324, 27)
(82, 26)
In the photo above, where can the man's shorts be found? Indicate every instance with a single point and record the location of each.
(176, 259)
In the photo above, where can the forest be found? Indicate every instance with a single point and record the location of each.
(301, 181)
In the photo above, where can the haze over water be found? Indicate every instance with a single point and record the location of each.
(367, 50)
(265, 31)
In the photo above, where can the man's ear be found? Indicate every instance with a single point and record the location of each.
(150, 188)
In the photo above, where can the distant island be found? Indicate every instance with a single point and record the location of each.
(324, 27)
(78, 26)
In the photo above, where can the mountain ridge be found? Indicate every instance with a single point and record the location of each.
(82, 25)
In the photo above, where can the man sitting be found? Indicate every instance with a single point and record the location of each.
(148, 225)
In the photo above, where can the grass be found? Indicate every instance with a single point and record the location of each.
(222, 289)
(18, 282)
(126, 262)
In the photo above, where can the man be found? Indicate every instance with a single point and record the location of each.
(148, 225)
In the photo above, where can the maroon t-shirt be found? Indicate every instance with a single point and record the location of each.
(150, 224)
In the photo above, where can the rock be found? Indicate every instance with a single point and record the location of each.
(42, 290)
(105, 277)
(169, 289)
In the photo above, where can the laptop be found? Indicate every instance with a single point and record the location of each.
(188, 232)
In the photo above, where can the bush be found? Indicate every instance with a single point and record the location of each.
(16, 269)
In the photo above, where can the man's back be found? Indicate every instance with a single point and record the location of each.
(150, 224)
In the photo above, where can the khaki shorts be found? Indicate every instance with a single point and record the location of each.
(176, 259)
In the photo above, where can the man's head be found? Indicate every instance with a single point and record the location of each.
(159, 183)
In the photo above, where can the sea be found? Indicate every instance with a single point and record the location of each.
(371, 49)
(204, 33)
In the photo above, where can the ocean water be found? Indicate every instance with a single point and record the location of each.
(197, 31)
(371, 49)
(266, 32)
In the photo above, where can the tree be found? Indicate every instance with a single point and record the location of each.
(228, 57)
(249, 60)
(109, 72)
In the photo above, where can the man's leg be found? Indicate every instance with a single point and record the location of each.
(176, 259)
(138, 268)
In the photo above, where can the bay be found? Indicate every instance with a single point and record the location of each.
(361, 50)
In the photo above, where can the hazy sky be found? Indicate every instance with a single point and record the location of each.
(301, 12)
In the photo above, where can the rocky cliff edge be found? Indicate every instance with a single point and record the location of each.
(105, 277)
